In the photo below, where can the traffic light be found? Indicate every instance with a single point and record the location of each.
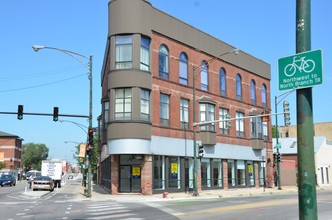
(279, 158)
(90, 132)
(89, 149)
(20, 112)
(266, 116)
(200, 151)
(286, 113)
(55, 114)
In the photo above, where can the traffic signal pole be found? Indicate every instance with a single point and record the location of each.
(305, 140)
(277, 142)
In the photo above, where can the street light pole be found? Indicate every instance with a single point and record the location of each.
(234, 51)
(36, 48)
(284, 95)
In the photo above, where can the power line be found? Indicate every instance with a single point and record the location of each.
(41, 85)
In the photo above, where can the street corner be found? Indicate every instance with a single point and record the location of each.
(29, 194)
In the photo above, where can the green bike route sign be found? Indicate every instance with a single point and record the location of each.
(300, 70)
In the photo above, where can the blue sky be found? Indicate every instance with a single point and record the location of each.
(40, 81)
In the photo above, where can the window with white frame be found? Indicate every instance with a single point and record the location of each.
(106, 114)
(123, 102)
(204, 76)
(239, 124)
(184, 113)
(123, 51)
(253, 126)
(207, 113)
(145, 54)
(163, 62)
(145, 104)
(164, 109)
(224, 129)
(183, 69)
(265, 131)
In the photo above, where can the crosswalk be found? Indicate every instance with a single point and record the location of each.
(110, 211)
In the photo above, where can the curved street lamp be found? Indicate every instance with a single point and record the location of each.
(74, 55)
(234, 51)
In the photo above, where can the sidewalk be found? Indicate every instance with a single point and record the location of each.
(99, 194)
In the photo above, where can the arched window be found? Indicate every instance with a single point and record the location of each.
(204, 76)
(163, 62)
(238, 87)
(222, 82)
(183, 69)
(264, 104)
(253, 92)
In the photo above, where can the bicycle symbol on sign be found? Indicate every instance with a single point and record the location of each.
(301, 64)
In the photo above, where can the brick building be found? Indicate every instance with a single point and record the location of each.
(10, 152)
(147, 120)
(320, 129)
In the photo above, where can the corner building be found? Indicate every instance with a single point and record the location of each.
(147, 121)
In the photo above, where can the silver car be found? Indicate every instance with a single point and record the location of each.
(43, 183)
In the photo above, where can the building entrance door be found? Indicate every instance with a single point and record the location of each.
(130, 173)
(125, 178)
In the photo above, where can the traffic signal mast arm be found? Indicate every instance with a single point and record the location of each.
(230, 119)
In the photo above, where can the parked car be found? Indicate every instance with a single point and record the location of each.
(43, 183)
(7, 180)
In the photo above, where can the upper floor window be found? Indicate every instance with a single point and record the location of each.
(222, 82)
(264, 103)
(265, 131)
(239, 124)
(123, 51)
(145, 54)
(106, 114)
(207, 113)
(164, 109)
(123, 102)
(145, 105)
(253, 92)
(256, 127)
(163, 62)
(184, 113)
(223, 125)
(183, 69)
(204, 76)
(238, 87)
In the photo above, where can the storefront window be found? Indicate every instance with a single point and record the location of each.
(189, 167)
(206, 172)
(261, 173)
(250, 173)
(158, 172)
(231, 172)
(174, 173)
(240, 173)
(217, 173)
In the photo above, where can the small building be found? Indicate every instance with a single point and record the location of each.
(289, 165)
(11, 153)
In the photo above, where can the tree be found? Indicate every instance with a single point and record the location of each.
(2, 165)
(33, 154)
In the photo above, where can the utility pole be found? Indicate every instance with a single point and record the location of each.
(305, 147)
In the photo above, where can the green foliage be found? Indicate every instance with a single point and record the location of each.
(274, 132)
(2, 165)
(33, 154)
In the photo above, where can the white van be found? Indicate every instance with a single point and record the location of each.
(34, 173)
